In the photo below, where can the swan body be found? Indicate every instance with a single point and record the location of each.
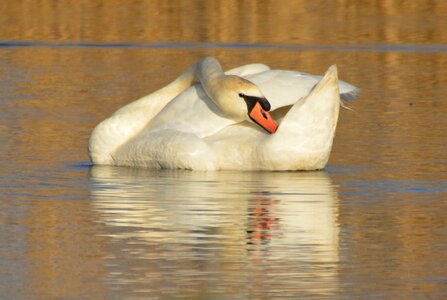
(203, 121)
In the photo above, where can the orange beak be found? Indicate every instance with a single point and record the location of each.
(263, 118)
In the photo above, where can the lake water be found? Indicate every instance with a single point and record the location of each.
(373, 224)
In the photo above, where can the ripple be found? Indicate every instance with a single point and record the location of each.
(433, 48)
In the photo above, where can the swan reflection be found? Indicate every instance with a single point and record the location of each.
(190, 227)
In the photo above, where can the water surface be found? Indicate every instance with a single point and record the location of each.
(372, 224)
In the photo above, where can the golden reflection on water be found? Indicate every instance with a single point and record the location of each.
(228, 227)
(120, 232)
(63, 258)
(231, 21)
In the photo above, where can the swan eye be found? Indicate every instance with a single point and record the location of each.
(241, 95)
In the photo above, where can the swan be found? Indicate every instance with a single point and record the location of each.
(249, 118)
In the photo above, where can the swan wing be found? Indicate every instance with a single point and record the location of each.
(284, 88)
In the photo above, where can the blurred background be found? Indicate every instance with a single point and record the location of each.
(372, 224)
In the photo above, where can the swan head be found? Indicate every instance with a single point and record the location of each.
(241, 100)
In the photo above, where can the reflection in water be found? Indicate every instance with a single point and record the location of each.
(148, 234)
(261, 221)
(231, 21)
(242, 232)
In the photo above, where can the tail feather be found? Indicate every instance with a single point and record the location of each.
(350, 95)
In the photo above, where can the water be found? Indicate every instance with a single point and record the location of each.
(371, 225)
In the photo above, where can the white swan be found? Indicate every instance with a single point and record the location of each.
(206, 120)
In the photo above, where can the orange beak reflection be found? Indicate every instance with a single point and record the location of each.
(263, 118)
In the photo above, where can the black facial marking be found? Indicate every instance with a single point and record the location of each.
(251, 102)
(264, 104)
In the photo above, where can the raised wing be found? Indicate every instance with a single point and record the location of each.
(284, 88)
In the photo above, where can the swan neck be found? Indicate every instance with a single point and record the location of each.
(209, 72)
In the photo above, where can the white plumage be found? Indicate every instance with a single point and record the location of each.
(181, 126)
